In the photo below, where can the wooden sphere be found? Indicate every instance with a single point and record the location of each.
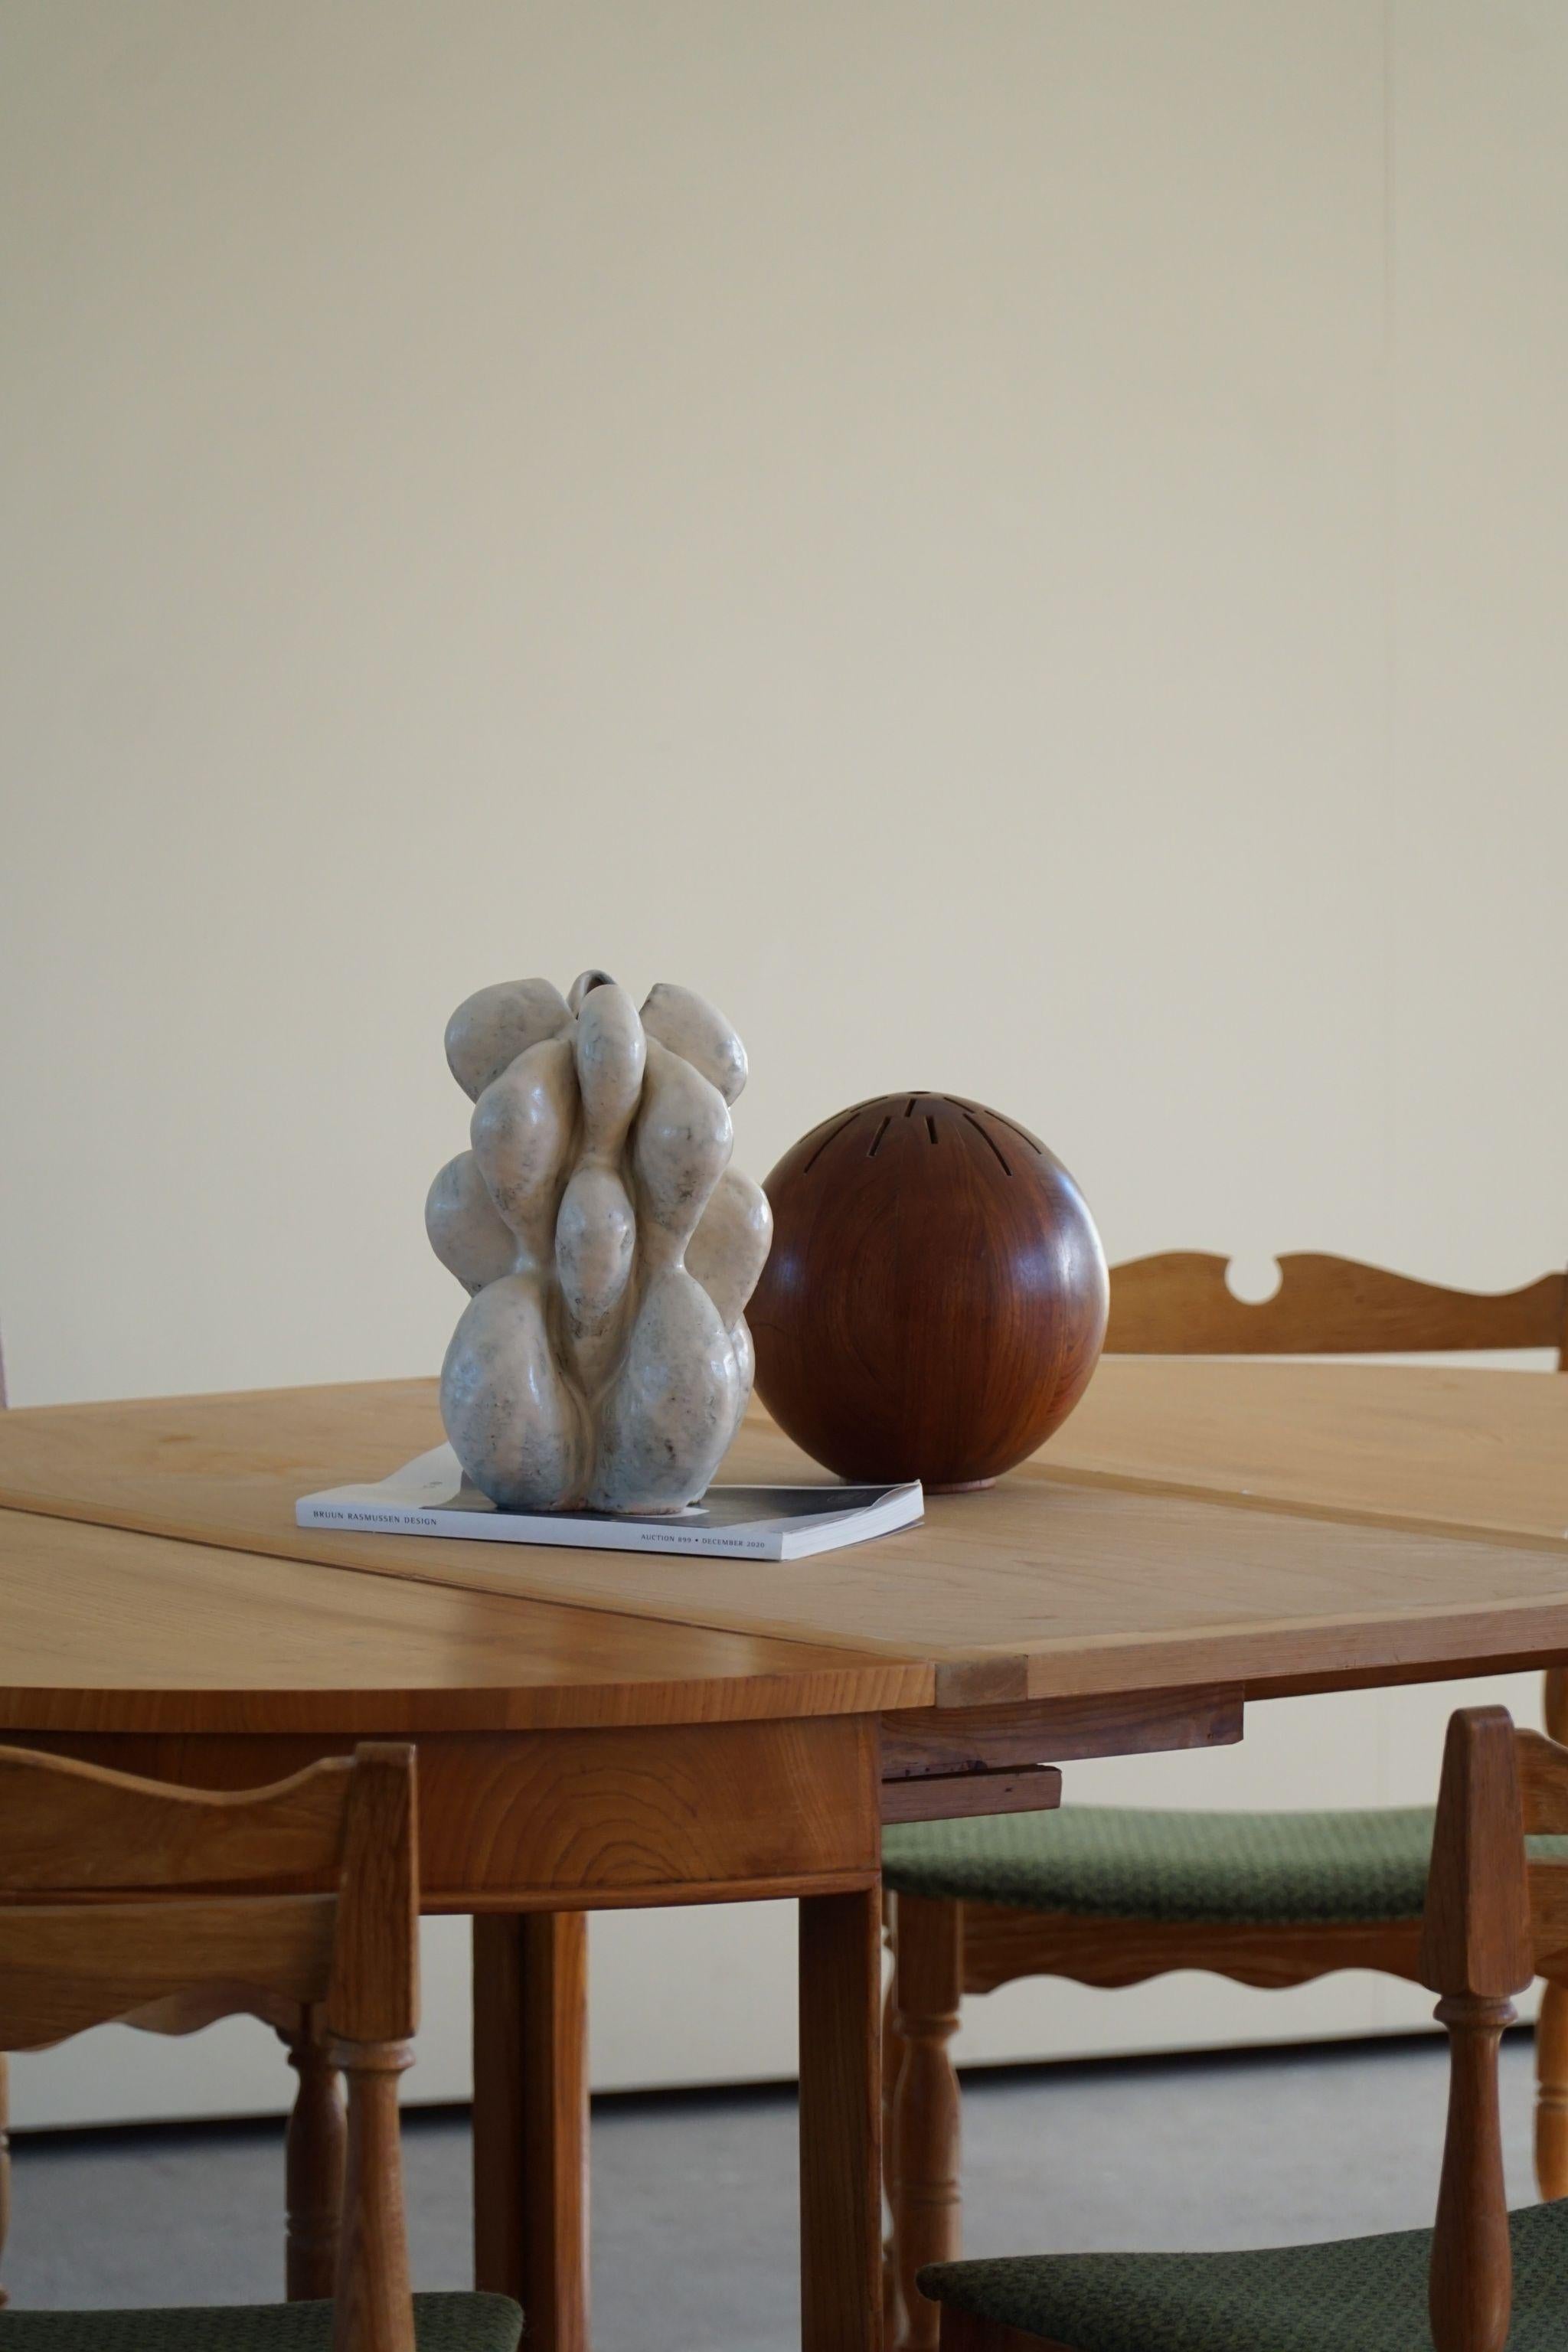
(935, 1298)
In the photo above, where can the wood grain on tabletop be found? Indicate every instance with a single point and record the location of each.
(106, 1630)
(1438, 1446)
(1446, 1447)
(1066, 1577)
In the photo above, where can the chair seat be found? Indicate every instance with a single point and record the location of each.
(442, 2323)
(1360, 2294)
(1128, 1863)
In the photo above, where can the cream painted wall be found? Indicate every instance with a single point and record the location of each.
(1019, 545)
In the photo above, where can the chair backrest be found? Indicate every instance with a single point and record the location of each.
(1179, 1304)
(1496, 1918)
(118, 1893)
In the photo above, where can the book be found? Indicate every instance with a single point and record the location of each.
(430, 1497)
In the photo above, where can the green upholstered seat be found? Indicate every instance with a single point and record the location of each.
(443, 2323)
(1128, 1863)
(1361, 2295)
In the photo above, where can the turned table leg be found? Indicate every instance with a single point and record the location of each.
(928, 1982)
(530, 2120)
(840, 2122)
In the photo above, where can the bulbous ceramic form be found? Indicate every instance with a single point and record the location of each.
(608, 1246)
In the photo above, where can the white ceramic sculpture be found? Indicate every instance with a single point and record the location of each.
(609, 1249)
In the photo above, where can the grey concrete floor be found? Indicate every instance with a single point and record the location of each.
(694, 2216)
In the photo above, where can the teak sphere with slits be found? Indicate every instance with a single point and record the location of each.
(936, 1296)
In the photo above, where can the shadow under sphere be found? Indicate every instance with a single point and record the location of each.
(935, 1298)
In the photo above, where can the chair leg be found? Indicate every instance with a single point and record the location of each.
(4, 2165)
(372, 2310)
(927, 1979)
(892, 2067)
(1551, 2092)
(1551, 2025)
(313, 2166)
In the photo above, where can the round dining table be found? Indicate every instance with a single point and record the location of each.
(611, 1729)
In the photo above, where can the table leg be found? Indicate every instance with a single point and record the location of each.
(840, 2121)
(530, 2120)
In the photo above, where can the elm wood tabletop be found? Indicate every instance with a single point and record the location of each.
(1445, 1447)
(1431, 1445)
(1307, 1527)
(612, 1729)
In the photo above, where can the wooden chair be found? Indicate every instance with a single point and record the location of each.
(120, 1895)
(1496, 1917)
(313, 2142)
(1111, 1895)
